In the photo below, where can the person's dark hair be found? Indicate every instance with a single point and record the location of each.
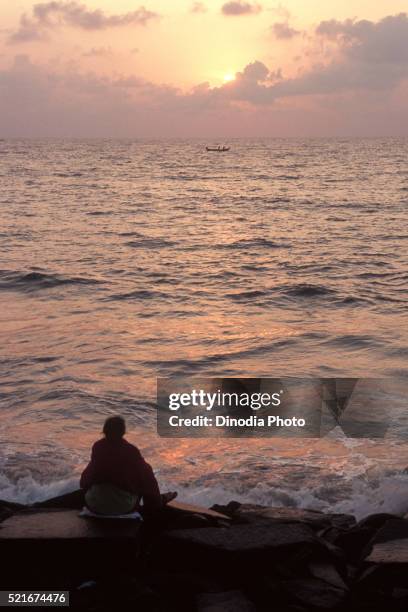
(114, 428)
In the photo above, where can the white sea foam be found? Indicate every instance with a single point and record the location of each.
(388, 493)
(27, 490)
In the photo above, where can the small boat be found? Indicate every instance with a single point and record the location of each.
(218, 149)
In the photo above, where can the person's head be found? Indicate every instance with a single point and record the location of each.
(114, 428)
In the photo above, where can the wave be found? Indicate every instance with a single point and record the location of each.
(352, 300)
(28, 490)
(294, 293)
(144, 242)
(305, 290)
(244, 296)
(140, 295)
(388, 493)
(361, 494)
(68, 174)
(33, 281)
(354, 340)
(255, 243)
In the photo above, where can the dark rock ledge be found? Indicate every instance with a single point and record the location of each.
(232, 558)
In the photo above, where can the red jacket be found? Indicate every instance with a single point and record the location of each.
(121, 464)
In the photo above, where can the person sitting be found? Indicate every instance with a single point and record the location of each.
(117, 477)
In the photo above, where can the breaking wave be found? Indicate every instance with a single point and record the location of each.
(34, 280)
(387, 494)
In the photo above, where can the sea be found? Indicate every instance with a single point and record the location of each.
(126, 260)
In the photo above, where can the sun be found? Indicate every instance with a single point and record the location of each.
(228, 78)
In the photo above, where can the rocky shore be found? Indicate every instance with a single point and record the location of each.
(230, 558)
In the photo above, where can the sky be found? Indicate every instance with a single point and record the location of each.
(214, 69)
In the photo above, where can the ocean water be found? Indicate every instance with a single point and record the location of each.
(121, 261)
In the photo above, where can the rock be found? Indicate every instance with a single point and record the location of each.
(45, 545)
(328, 573)
(238, 557)
(252, 513)
(314, 594)
(11, 505)
(376, 590)
(239, 550)
(248, 538)
(7, 509)
(354, 541)
(400, 593)
(64, 525)
(121, 593)
(5, 513)
(230, 508)
(385, 566)
(393, 529)
(299, 593)
(390, 543)
(229, 601)
(183, 583)
(395, 551)
(179, 507)
(74, 501)
(376, 521)
(177, 515)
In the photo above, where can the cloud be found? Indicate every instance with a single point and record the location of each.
(198, 7)
(281, 11)
(364, 56)
(28, 31)
(77, 15)
(254, 85)
(283, 31)
(362, 76)
(49, 15)
(239, 7)
(256, 71)
(57, 101)
(384, 41)
(98, 52)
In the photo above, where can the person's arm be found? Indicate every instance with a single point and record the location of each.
(87, 475)
(152, 500)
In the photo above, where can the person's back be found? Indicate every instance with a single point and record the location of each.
(118, 477)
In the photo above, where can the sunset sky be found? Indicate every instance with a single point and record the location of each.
(211, 68)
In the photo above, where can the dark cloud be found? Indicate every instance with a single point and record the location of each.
(283, 31)
(78, 15)
(364, 66)
(198, 7)
(238, 7)
(254, 85)
(28, 31)
(367, 56)
(384, 41)
(44, 101)
(48, 15)
(256, 71)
